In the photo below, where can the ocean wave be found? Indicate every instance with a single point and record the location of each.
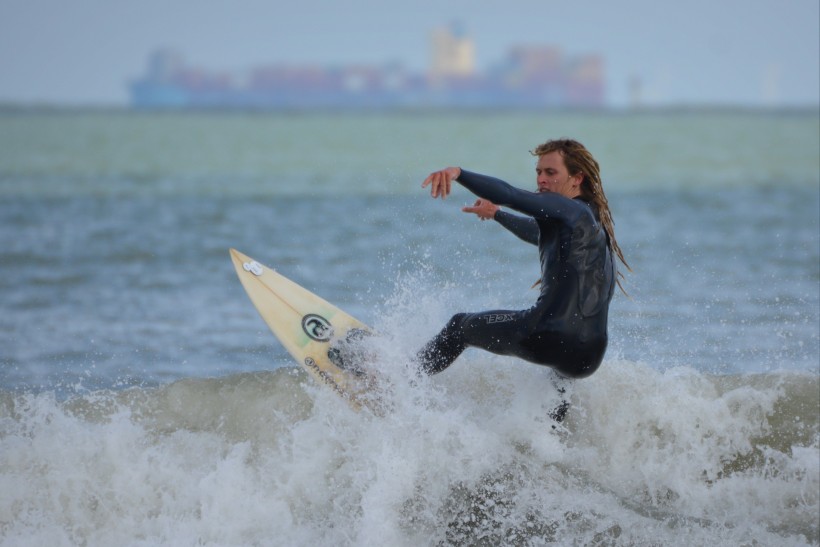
(467, 457)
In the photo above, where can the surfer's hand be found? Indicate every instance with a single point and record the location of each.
(483, 208)
(441, 181)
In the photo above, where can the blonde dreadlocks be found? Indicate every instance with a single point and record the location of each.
(578, 160)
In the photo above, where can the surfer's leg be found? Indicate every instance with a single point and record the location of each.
(497, 331)
(440, 352)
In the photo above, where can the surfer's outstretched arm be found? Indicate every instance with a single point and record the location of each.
(441, 181)
(533, 204)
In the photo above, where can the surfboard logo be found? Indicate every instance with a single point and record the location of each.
(317, 327)
(311, 363)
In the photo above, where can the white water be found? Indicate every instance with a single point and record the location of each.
(466, 457)
(272, 459)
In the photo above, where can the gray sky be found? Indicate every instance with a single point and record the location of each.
(747, 52)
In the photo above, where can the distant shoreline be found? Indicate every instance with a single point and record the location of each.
(47, 108)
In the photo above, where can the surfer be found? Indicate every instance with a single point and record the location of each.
(568, 218)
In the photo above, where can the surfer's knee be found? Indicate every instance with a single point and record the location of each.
(455, 323)
(444, 348)
(453, 332)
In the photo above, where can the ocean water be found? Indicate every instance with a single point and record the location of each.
(144, 402)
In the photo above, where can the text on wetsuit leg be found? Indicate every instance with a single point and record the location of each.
(499, 318)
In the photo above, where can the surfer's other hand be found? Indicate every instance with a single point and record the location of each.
(485, 209)
(441, 181)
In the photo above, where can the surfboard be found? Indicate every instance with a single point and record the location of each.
(308, 327)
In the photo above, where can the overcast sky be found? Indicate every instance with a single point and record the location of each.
(746, 52)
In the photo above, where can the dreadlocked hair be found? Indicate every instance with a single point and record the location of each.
(578, 160)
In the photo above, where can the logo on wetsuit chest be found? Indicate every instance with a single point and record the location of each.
(499, 318)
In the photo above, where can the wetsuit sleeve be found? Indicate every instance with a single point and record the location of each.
(523, 227)
(536, 205)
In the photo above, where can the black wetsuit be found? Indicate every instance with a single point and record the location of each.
(566, 329)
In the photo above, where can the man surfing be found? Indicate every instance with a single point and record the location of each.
(568, 218)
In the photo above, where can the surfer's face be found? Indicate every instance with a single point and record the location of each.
(552, 176)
